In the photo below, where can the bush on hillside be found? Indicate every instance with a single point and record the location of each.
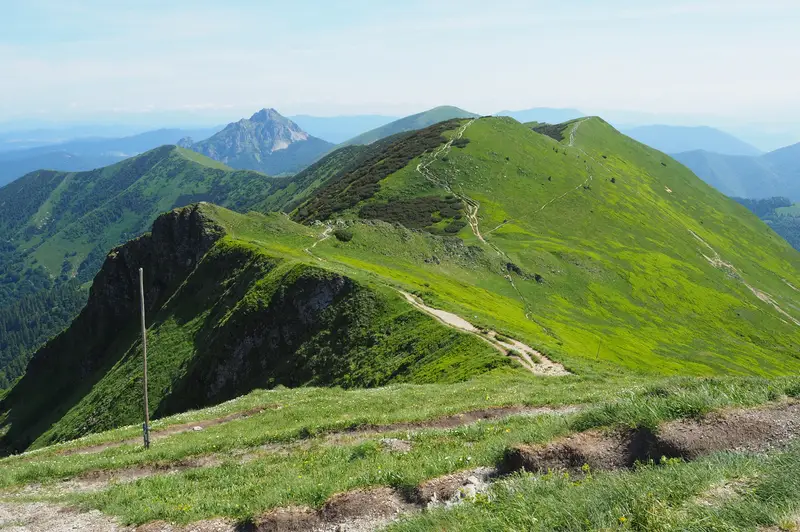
(343, 235)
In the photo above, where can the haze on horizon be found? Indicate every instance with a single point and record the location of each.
(730, 60)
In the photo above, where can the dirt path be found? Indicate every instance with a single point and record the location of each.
(764, 429)
(533, 360)
(97, 480)
(716, 261)
(170, 430)
(757, 430)
(324, 236)
(590, 177)
(48, 517)
(472, 206)
(575, 130)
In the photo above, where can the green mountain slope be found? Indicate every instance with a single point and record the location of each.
(411, 123)
(60, 226)
(638, 262)
(267, 142)
(773, 174)
(234, 303)
(605, 255)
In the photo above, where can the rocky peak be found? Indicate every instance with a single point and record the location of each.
(267, 141)
(265, 115)
(179, 240)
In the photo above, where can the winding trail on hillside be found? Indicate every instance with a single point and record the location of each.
(531, 359)
(326, 233)
(716, 261)
(587, 183)
(472, 206)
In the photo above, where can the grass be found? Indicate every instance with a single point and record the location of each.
(722, 492)
(621, 280)
(330, 330)
(311, 469)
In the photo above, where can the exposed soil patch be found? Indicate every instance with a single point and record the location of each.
(353, 511)
(455, 487)
(211, 525)
(46, 517)
(752, 430)
(598, 449)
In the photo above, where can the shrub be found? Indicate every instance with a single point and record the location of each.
(343, 235)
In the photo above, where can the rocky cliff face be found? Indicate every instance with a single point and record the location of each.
(178, 240)
(267, 142)
(226, 315)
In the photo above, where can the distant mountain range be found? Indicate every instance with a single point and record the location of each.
(677, 139)
(776, 173)
(411, 123)
(543, 114)
(338, 129)
(267, 142)
(87, 154)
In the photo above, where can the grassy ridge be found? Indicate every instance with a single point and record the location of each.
(607, 225)
(252, 314)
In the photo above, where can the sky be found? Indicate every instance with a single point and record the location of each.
(109, 60)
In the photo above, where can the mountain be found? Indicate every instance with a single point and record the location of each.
(56, 160)
(15, 137)
(87, 154)
(59, 226)
(411, 123)
(620, 235)
(545, 115)
(266, 142)
(338, 129)
(677, 139)
(775, 173)
(233, 303)
(605, 256)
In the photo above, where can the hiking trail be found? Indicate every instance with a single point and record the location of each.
(531, 359)
(324, 236)
(717, 262)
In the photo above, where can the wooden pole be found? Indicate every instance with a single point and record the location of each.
(146, 426)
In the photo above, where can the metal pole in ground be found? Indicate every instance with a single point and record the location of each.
(146, 426)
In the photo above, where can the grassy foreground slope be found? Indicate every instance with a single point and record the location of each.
(605, 251)
(300, 447)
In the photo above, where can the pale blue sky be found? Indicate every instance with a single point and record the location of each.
(80, 59)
